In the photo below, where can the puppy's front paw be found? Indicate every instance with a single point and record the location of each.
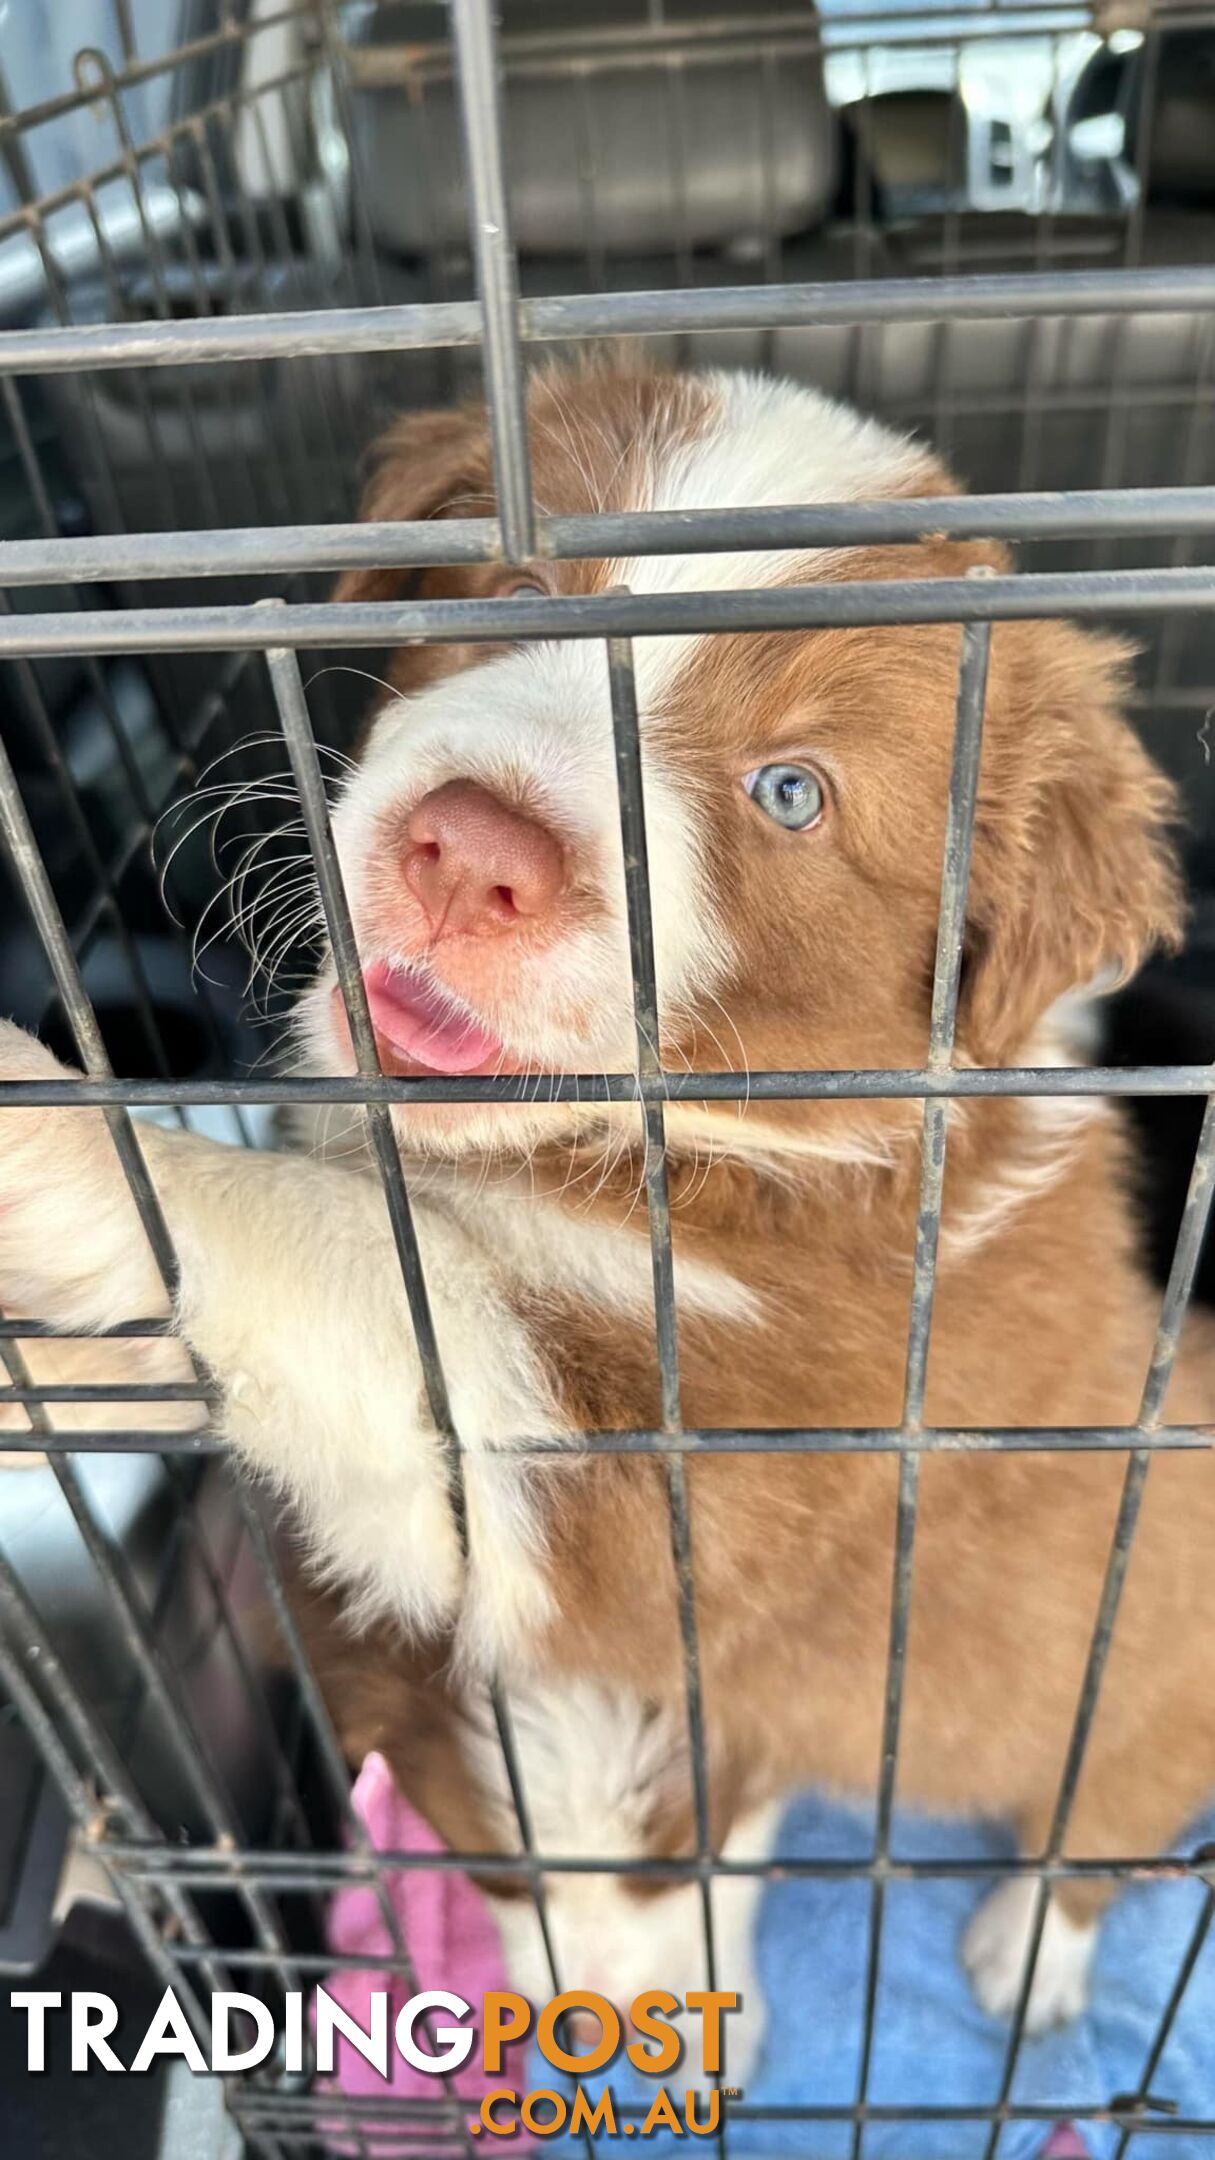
(23, 1057)
(66, 1217)
(38, 1149)
(996, 1945)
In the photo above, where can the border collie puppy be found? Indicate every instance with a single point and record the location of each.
(795, 794)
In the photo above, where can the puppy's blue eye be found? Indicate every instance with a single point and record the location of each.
(791, 795)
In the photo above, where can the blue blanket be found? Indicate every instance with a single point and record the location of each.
(933, 2046)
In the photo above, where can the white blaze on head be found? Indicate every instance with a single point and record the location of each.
(768, 444)
(596, 1765)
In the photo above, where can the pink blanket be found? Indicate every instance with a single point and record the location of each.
(451, 1937)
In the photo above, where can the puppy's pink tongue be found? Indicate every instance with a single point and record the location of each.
(417, 1021)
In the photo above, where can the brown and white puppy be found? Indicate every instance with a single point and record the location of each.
(795, 793)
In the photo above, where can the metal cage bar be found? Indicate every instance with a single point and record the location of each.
(712, 1440)
(895, 1083)
(480, 108)
(946, 978)
(297, 733)
(199, 1866)
(861, 604)
(263, 550)
(630, 790)
(413, 327)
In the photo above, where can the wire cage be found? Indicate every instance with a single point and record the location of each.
(235, 236)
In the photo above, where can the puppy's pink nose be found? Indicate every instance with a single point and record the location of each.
(477, 866)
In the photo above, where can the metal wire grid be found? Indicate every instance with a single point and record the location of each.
(311, 411)
(161, 1884)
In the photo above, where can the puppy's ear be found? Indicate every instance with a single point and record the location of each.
(424, 464)
(1074, 874)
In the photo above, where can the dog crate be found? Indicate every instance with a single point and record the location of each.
(236, 235)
